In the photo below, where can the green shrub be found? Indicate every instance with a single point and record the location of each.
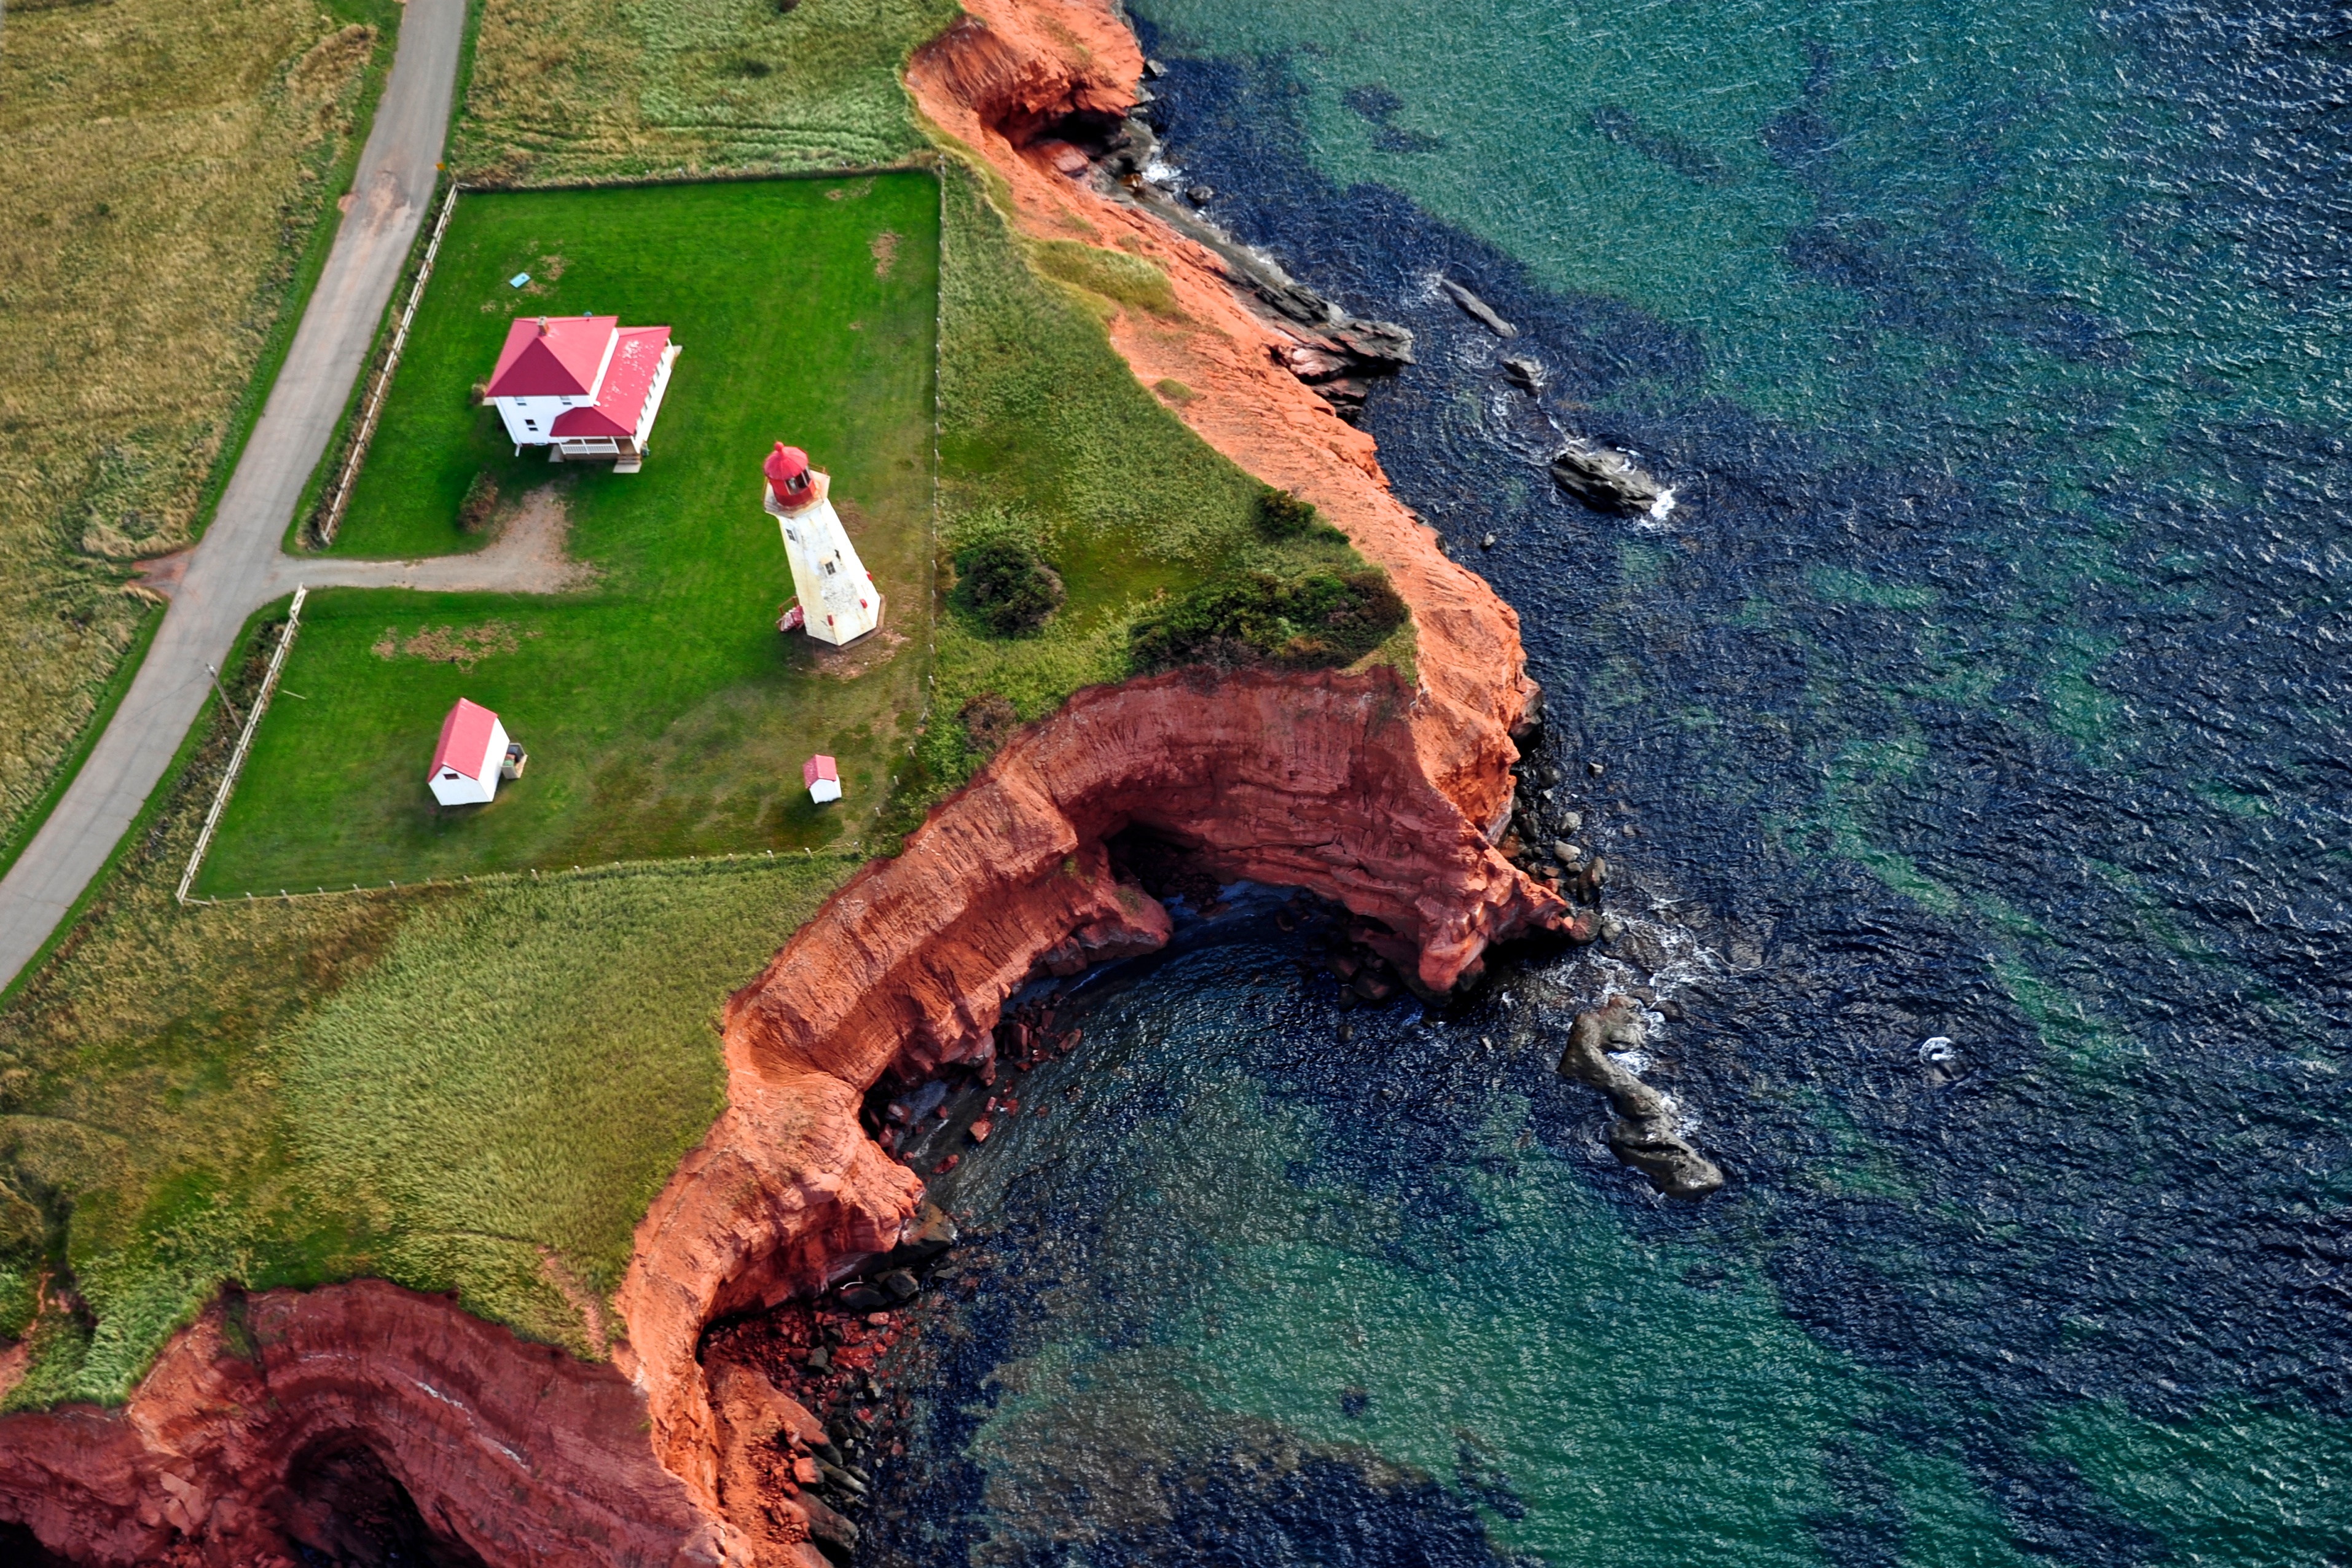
(989, 721)
(1008, 586)
(481, 501)
(1282, 515)
(1313, 620)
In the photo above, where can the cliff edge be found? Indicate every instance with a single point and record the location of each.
(1379, 790)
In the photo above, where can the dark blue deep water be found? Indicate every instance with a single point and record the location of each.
(1985, 684)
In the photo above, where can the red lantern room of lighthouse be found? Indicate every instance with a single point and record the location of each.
(790, 477)
(838, 603)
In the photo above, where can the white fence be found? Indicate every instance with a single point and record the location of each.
(244, 742)
(384, 380)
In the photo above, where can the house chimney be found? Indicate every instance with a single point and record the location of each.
(542, 326)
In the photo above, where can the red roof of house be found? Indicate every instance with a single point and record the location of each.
(465, 739)
(552, 356)
(820, 767)
(621, 400)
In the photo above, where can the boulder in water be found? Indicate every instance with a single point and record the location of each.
(1478, 310)
(1645, 1135)
(1603, 479)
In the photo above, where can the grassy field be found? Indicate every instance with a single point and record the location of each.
(167, 169)
(453, 1088)
(663, 714)
(603, 89)
(1046, 436)
(475, 1093)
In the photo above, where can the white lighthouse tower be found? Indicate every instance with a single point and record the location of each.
(838, 602)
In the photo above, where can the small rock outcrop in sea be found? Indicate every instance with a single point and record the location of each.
(1644, 1135)
(1607, 480)
(1478, 310)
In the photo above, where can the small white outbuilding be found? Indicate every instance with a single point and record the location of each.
(823, 777)
(472, 756)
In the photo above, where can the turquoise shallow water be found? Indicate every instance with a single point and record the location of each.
(1985, 686)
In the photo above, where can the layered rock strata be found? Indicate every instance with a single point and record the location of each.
(1381, 790)
(511, 1451)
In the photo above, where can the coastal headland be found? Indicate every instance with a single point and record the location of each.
(1383, 787)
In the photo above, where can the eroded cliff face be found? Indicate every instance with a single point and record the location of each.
(1370, 788)
(1324, 780)
(1008, 84)
(236, 1445)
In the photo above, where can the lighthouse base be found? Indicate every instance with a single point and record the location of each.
(796, 620)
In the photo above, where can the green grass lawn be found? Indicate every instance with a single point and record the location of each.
(663, 714)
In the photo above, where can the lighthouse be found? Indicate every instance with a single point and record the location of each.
(838, 602)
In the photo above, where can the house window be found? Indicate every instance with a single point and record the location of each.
(530, 424)
(828, 568)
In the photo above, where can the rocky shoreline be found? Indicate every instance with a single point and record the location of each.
(1382, 792)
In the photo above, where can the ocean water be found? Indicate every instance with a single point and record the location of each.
(1985, 685)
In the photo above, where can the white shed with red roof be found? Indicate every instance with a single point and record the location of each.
(823, 777)
(474, 749)
(584, 385)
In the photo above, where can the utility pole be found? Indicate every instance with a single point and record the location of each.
(221, 694)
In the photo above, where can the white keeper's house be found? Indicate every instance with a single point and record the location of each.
(584, 386)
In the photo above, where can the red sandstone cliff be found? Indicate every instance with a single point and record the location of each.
(1326, 781)
(1358, 786)
(1367, 789)
(516, 1450)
